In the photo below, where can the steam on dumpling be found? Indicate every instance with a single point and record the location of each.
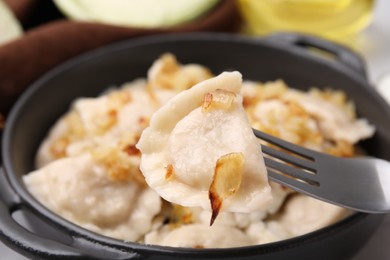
(200, 151)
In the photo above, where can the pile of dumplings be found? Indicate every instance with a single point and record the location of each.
(172, 160)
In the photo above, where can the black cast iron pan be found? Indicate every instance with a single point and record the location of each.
(287, 56)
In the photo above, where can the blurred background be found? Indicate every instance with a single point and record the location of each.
(37, 35)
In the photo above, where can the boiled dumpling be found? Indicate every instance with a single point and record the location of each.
(200, 151)
(199, 236)
(336, 122)
(111, 201)
(303, 214)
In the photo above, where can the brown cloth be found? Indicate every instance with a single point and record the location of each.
(23, 60)
(22, 9)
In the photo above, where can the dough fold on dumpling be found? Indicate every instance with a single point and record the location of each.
(189, 149)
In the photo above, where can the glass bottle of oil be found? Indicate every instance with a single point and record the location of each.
(338, 20)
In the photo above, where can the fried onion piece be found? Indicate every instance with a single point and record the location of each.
(170, 172)
(218, 99)
(76, 131)
(168, 73)
(132, 150)
(226, 181)
(119, 167)
(181, 215)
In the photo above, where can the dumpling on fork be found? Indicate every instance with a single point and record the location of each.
(199, 150)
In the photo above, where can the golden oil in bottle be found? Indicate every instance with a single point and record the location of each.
(338, 20)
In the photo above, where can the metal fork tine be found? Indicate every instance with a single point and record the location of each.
(301, 151)
(291, 182)
(291, 171)
(299, 161)
(361, 184)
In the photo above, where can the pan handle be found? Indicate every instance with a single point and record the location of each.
(34, 246)
(340, 53)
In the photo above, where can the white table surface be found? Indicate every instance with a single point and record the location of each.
(375, 48)
(374, 45)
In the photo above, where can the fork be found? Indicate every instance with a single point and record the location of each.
(360, 183)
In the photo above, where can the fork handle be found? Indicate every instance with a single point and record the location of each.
(337, 52)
